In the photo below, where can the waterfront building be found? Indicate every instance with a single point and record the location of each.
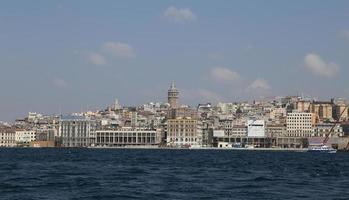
(184, 132)
(255, 128)
(275, 130)
(7, 137)
(172, 96)
(299, 124)
(77, 131)
(207, 134)
(24, 137)
(230, 133)
(321, 129)
(128, 136)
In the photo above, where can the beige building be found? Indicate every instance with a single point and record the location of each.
(322, 110)
(340, 109)
(299, 124)
(184, 132)
(182, 112)
(340, 112)
(7, 137)
(276, 130)
(303, 106)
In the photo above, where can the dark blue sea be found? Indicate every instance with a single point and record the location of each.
(171, 174)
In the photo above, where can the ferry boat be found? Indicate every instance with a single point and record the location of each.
(322, 149)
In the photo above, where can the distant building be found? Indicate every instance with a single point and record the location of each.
(340, 109)
(230, 134)
(320, 130)
(7, 137)
(184, 132)
(276, 130)
(77, 131)
(25, 136)
(128, 136)
(303, 106)
(322, 110)
(182, 112)
(255, 128)
(172, 95)
(345, 127)
(299, 124)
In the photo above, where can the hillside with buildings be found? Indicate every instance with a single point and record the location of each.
(280, 122)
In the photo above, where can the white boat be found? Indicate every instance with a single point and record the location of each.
(322, 149)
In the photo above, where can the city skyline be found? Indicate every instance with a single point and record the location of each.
(59, 57)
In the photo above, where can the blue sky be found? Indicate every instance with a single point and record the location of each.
(65, 56)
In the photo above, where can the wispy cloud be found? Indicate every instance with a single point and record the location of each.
(179, 15)
(96, 59)
(259, 85)
(221, 74)
(59, 82)
(120, 50)
(316, 65)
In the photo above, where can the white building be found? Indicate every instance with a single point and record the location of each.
(323, 129)
(7, 137)
(25, 136)
(128, 136)
(299, 124)
(255, 128)
(77, 131)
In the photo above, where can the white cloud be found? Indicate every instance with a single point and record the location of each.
(315, 64)
(221, 74)
(58, 82)
(96, 59)
(179, 15)
(118, 49)
(258, 85)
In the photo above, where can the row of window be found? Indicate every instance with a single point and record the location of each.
(181, 135)
(140, 140)
(183, 139)
(182, 126)
(182, 130)
(125, 134)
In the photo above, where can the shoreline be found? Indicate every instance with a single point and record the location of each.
(206, 148)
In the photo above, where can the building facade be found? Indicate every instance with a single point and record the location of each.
(322, 110)
(128, 136)
(299, 124)
(25, 136)
(255, 128)
(7, 137)
(323, 129)
(184, 132)
(77, 131)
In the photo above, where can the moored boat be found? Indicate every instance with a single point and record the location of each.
(322, 149)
